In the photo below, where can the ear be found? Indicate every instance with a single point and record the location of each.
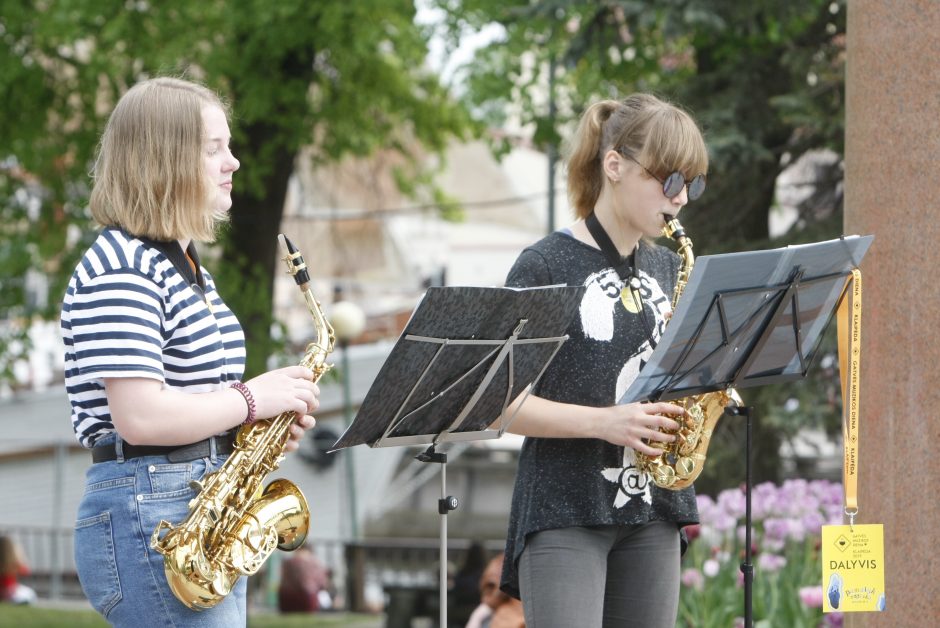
(612, 164)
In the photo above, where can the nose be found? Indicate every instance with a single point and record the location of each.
(232, 164)
(681, 199)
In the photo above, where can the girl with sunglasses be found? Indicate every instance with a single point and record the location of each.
(592, 542)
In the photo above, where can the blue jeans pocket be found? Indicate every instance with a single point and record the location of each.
(169, 478)
(94, 557)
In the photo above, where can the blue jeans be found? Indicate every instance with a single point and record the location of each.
(121, 575)
(623, 576)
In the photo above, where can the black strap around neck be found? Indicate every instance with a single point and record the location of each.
(174, 252)
(624, 266)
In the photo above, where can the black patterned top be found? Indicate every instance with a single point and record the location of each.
(585, 482)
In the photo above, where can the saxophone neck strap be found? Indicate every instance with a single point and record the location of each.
(630, 294)
(850, 357)
(185, 262)
(623, 266)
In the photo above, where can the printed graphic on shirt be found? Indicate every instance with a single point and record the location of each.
(597, 311)
(631, 482)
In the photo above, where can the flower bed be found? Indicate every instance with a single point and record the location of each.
(787, 522)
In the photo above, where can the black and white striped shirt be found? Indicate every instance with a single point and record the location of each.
(128, 312)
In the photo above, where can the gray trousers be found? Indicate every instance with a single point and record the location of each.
(605, 576)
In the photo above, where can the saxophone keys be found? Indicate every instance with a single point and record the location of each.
(685, 467)
(664, 476)
(687, 445)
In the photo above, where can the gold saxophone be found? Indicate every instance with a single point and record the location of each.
(233, 525)
(683, 459)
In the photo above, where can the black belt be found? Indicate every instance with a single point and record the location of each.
(224, 444)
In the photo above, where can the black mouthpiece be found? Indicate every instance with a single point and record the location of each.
(290, 245)
(297, 266)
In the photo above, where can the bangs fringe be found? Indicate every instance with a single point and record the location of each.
(674, 144)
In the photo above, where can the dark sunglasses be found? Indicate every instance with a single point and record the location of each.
(674, 183)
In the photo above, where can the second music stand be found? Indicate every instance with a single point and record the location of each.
(464, 356)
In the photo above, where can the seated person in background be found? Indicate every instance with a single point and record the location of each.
(13, 565)
(496, 609)
(305, 583)
(466, 588)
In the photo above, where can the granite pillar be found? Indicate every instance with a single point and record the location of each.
(892, 190)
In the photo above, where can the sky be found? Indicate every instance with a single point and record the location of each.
(448, 65)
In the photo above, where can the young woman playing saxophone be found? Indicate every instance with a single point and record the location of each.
(592, 542)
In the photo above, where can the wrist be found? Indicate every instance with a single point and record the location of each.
(245, 392)
(598, 422)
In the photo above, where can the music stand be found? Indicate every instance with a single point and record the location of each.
(748, 319)
(464, 356)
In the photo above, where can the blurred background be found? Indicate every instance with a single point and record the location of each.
(400, 145)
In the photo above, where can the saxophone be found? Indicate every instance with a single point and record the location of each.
(233, 525)
(682, 460)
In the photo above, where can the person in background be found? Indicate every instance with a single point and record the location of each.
(13, 566)
(591, 541)
(496, 609)
(305, 583)
(466, 590)
(153, 356)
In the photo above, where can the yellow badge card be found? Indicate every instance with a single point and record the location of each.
(853, 572)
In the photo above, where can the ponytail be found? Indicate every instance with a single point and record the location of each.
(585, 180)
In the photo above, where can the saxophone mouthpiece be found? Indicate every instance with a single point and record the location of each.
(295, 261)
(286, 244)
(673, 229)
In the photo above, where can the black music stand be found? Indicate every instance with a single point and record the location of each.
(464, 356)
(748, 319)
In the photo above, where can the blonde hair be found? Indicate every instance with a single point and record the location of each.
(149, 177)
(659, 135)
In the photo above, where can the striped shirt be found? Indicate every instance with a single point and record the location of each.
(128, 312)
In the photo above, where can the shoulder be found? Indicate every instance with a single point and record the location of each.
(556, 243)
(115, 253)
(536, 262)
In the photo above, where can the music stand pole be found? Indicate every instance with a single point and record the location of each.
(747, 568)
(444, 505)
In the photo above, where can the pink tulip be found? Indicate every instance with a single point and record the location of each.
(812, 596)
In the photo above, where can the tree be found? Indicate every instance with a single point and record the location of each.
(764, 79)
(342, 77)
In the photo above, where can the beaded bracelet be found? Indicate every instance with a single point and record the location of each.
(249, 399)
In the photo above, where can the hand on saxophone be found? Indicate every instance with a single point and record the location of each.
(632, 424)
(288, 389)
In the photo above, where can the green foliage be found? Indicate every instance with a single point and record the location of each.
(764, 78)
(344, 77)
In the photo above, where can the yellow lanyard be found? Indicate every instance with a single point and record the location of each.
(850, 357)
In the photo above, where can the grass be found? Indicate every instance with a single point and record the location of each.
(39, 617)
